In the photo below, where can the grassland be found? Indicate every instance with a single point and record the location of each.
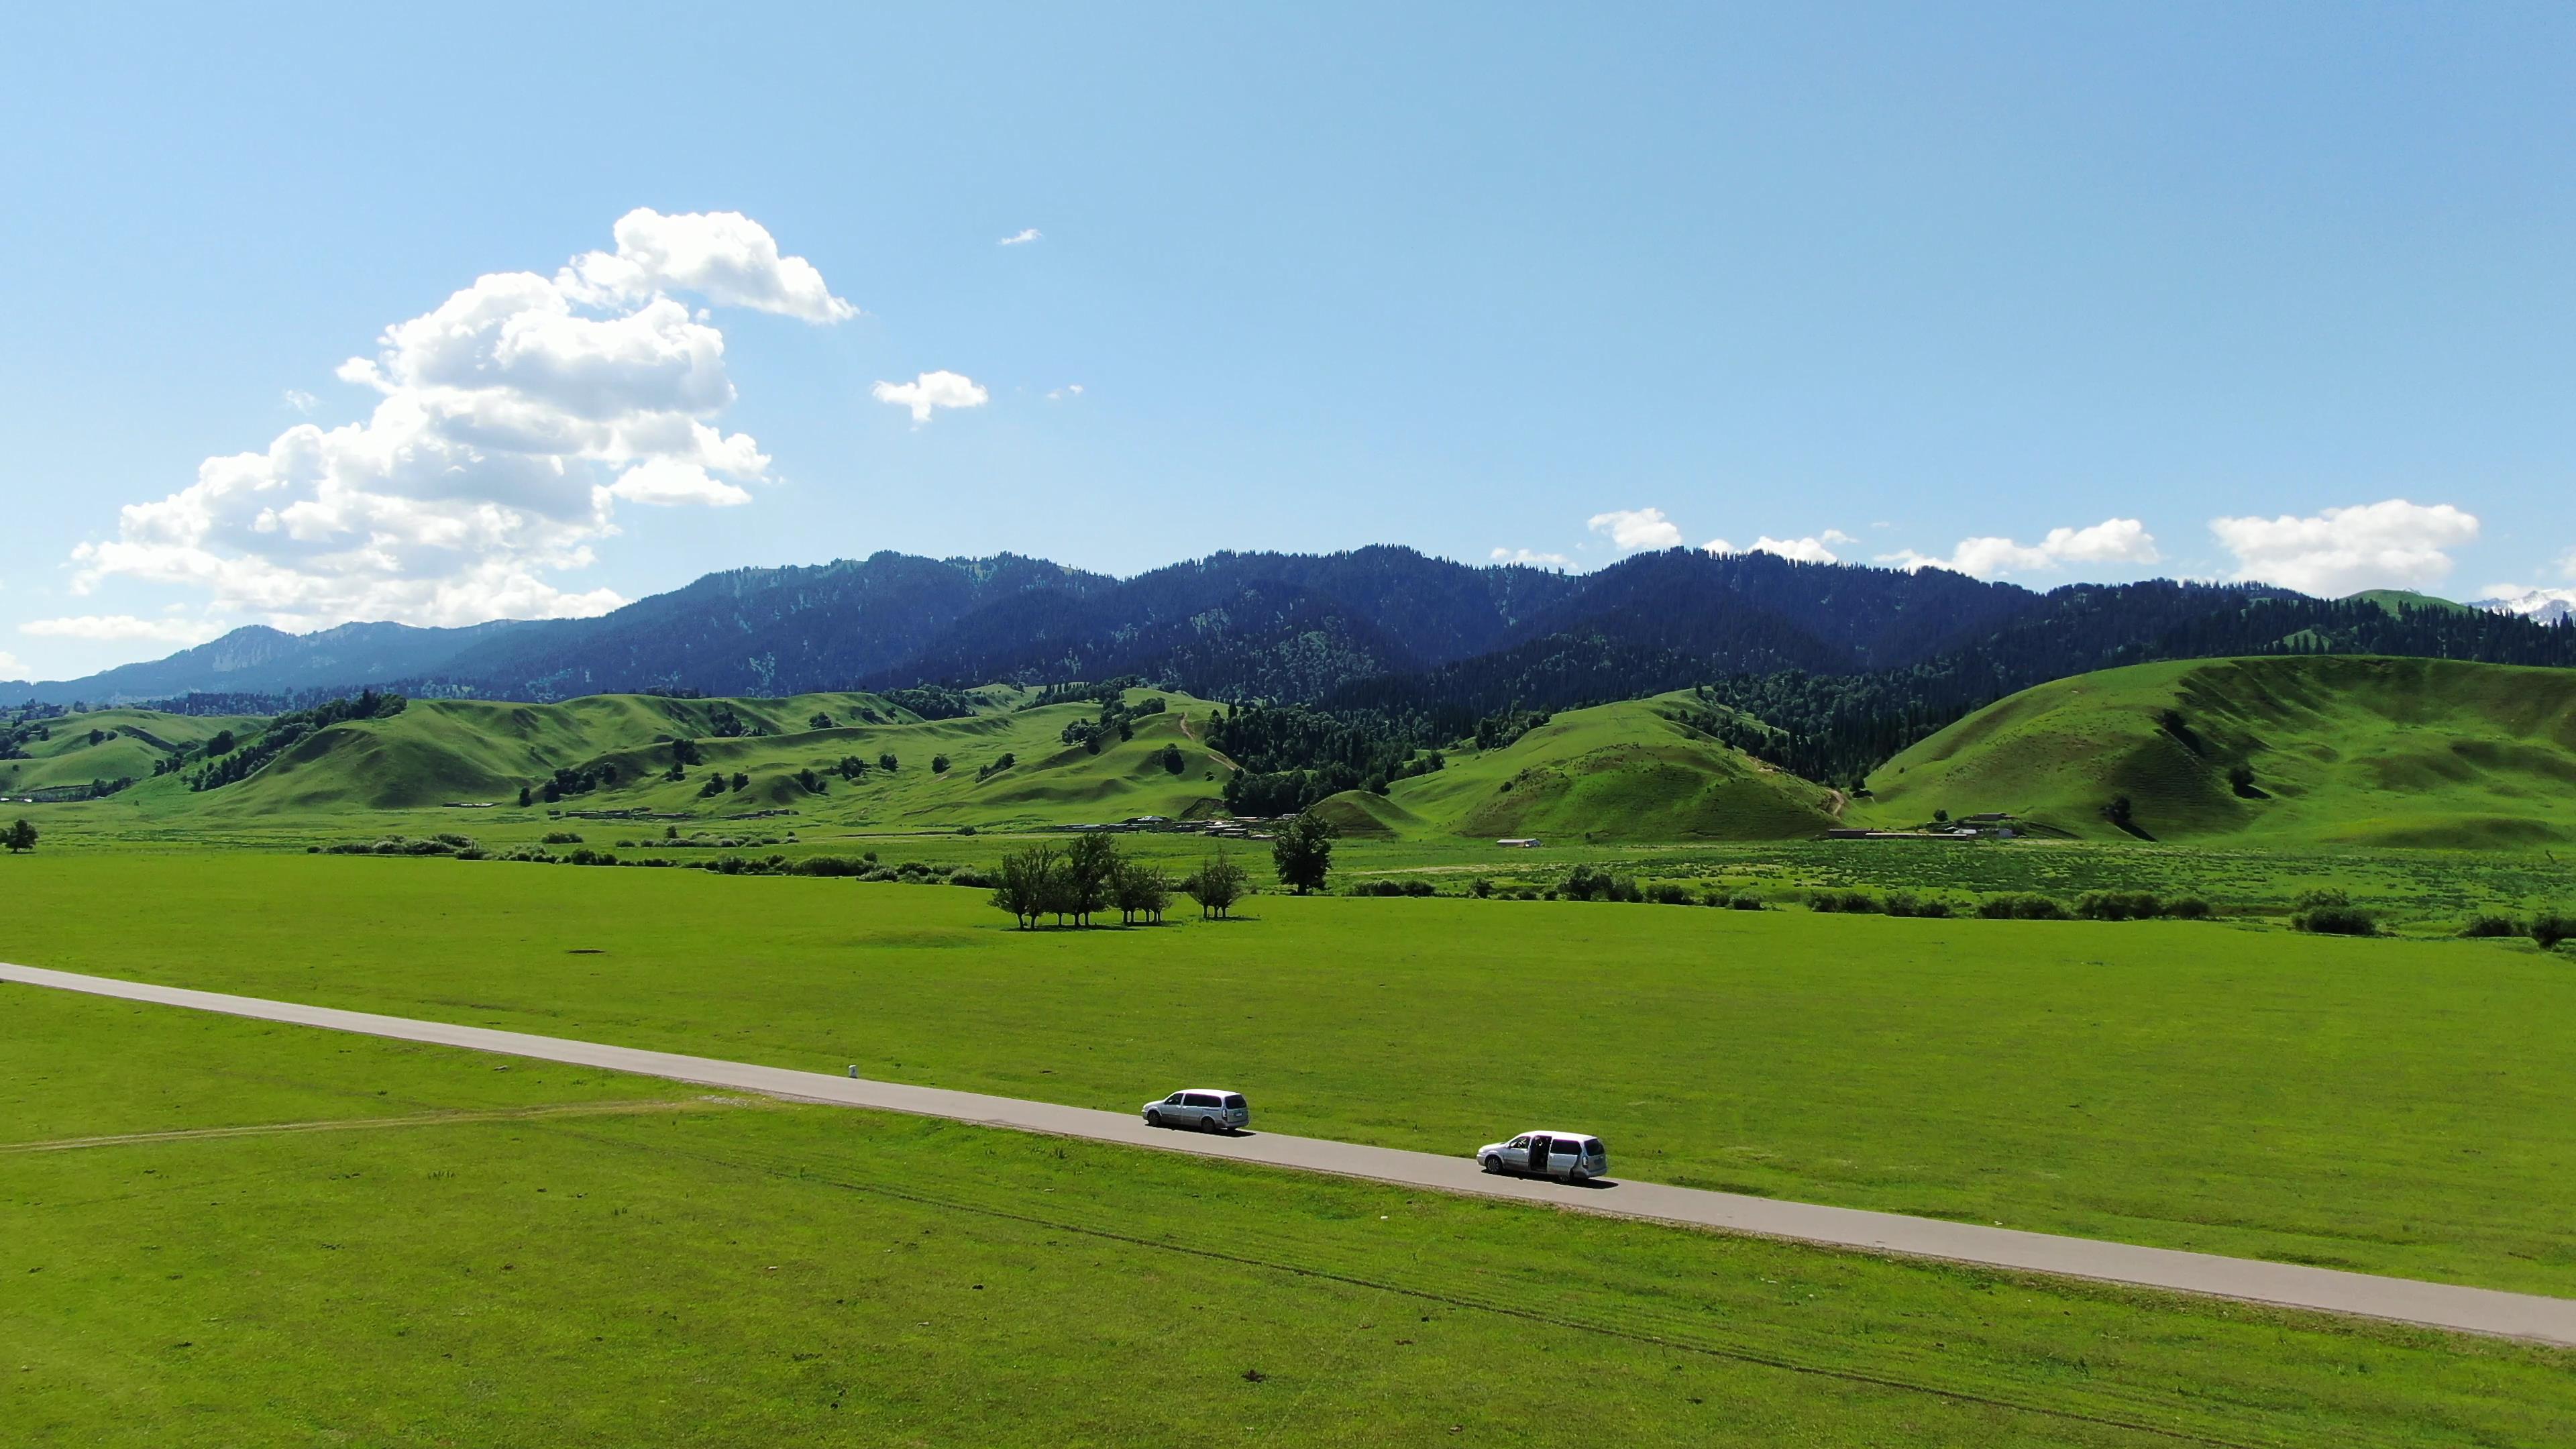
(2342, 751)
(435, 1247)
(2388, 1106)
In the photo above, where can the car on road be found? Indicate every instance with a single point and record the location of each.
(1574, 1156)
(1203, 1108)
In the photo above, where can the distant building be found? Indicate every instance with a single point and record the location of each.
(1520, 842)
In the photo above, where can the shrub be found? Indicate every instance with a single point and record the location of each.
(830, 865)
(2485, 926)
(559, 837)
(2119, 905)
(1746, 901)
(1666, 893)
(1926, 908)
(2332, 913)
(1481, 889)
(1850, 903)
(2189, 908)
(1415, 888)
(2549, 928)
(967, 875)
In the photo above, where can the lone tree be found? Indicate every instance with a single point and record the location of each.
(1088, 869)
(939, 764)
(1303, 852)
(1216, 885)
(1027, 885)
(1138, 889)
(886, 762)
(21, 836)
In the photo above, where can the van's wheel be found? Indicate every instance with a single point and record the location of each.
(1492, 1164)
(1153, 1119)
(1210, 1124)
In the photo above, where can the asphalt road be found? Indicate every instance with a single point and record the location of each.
(2441, 1305)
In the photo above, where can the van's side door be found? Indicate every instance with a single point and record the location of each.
(1203, 1105)
(1516, 1154)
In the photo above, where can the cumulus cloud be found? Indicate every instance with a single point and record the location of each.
(1804, 550)
(104, 627)
(1633, 528)
(510, 421)
(2113, 540)
(933, 390)
(2390, 544)
(300, 400)
(1070, 389)
(1022, 237)
(723, 256)
(1531, 557)
(10, 668)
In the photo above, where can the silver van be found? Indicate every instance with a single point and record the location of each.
(1208, 1111)
(1574, 1156)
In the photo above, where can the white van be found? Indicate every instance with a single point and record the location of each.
(1574, 1156)
(1206, 1109)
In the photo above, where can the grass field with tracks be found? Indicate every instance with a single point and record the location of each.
(2390, 1106)
(311, 1238)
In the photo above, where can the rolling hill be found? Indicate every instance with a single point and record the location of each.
(2340, 750)
(1617, 772)
(619, 751)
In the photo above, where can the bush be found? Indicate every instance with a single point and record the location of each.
(2550, 928)
(2486, 926)
(1746, 901)
(2022, 908)
(2119, 905)
(1415, 888)
(2332, 913)
(1666, 893)
(967, 875)
(1927, 908)
(1481, 889)
(2189, 908)
(830, 865)
(559, 837)
(1849, 903)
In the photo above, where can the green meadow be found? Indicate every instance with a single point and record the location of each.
(2390, 1106)
(221, 1232)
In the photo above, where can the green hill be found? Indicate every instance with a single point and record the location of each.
(1626, 771)
(60, 752)
(2342, 750)
(2395, 599)
(480, 753)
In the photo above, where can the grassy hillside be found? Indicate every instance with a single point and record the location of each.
(2346, 751)
(1627, 771)
(437, 753)
(133, 742)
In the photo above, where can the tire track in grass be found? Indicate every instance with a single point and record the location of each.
(1671, 1329)
(357, 1124)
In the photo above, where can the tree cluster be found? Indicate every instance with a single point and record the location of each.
(1073, 884)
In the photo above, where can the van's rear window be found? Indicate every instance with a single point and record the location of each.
(1234, 1099)
(1592, 1147)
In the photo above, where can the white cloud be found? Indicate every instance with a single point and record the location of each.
(723, 256)
(2113, 540)
(667, 482)
(1633, 528)
(300, 400)
(1022, 237)
(1804, 550)
(104, 627)
(1531, 558)
(1070, 389)
(933, 390)
(511, 420)
(10, 667)
(2390, 544)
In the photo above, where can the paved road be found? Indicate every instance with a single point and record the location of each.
(2441, 1305)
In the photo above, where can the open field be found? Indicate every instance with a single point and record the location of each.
(2388, 1106)
(654, 1266)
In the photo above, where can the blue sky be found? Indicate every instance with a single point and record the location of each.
(2066, 283)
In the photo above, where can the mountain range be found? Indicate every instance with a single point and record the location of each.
(1383, 631)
